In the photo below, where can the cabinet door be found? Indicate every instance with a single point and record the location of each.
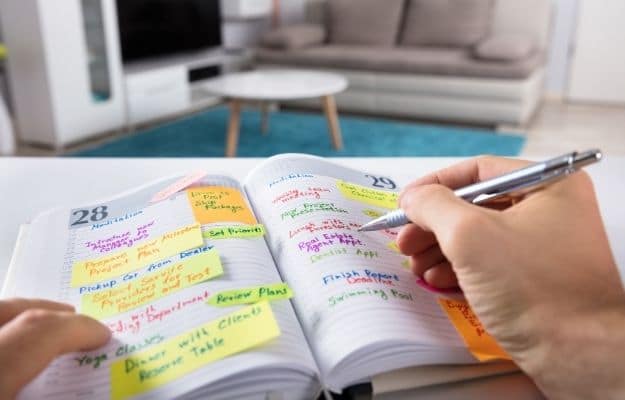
(598, 65)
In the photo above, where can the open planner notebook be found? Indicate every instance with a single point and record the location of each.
(219, 289)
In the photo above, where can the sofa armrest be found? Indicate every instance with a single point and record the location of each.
(294, 36)
(504, 47)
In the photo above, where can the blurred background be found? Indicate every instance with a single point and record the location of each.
(166, 78)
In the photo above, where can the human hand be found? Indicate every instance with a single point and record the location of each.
(539, 274)
(34, 332)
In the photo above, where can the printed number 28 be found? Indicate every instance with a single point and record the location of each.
(97, 214)
(382, 182)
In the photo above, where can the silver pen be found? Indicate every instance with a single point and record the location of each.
(510, 185)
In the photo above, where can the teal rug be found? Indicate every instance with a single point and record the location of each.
(203, 135)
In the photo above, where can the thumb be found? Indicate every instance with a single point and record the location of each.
(437, 209)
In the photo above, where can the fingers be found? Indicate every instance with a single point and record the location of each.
(29, 342)
(441, 276)
(412, 239)
(11, 308)
(468, 172)
(421, 262)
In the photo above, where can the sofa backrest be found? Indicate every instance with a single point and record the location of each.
(532, 17)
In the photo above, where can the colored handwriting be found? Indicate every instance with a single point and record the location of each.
(361, 276)
(478, 341)
(152, 286)
(290, 177)
(325, 225)
(116, 264)
(328, 239)
(294, 194)
(96, 361)
(134, 275)
(278, 291)
(167, 361)
(219, 204)
(116, 220)
(308, 208)
(177, 186)
(406, 265)
(369, 292)
(367, 254)
(373, 197)
(152, 314)
(235, 232)
(117, 241)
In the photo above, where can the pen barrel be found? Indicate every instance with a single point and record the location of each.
(396, 218)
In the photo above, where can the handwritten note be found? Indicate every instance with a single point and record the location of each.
(152, 286)
(363, 194)
(393, 246)
(119, 263)
(478, 341)
(251, 295)
(235, 232)
(177, 186)
(167, 361)
(219, 204)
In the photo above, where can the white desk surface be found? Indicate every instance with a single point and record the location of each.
(29, 186)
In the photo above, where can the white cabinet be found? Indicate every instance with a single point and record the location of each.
(157, 93)
(64, 68)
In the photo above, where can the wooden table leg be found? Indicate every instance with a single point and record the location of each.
(232, 138)
(329, 107)
(264, 125)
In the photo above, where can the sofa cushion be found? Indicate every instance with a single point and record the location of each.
(453, 23)
(294, 36)
(364, 22)
(410, 60)
(504, 47)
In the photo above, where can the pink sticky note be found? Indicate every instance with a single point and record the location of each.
(453, 293)
(178, 186)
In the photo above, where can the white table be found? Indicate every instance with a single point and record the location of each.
(267, 86)
(31, 185)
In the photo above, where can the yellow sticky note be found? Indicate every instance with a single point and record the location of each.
(232, 232)
(393, 246)
(372, 213)
(251, 295)
(219, 204)
(363, 194)
(152, 286)
(122, 262)
(169, 360)
(482, 345)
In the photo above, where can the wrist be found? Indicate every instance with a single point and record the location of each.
(581, 357)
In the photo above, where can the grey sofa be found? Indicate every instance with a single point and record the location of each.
(480, 61)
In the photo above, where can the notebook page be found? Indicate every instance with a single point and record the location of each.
(354, 290)
(56, 242)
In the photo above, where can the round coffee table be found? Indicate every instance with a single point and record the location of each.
(270, 86)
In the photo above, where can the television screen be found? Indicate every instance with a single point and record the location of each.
(151, 28)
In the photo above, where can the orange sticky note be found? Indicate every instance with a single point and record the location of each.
(482, 345)
(219, 204)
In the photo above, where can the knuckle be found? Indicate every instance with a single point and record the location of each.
(35, 318)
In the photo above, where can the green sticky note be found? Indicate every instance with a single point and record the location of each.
(235, 232)
(251, 295)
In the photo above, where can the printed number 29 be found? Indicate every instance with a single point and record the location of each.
(382, 182)
(97, 214)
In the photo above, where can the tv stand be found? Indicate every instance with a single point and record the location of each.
(166, 86)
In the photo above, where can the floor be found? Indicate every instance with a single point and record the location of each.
(557, 128)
